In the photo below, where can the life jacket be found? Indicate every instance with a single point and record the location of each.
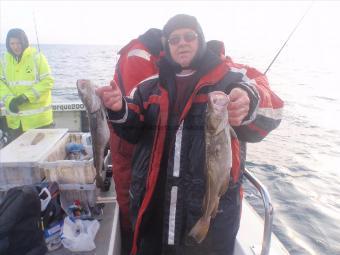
(137, 61)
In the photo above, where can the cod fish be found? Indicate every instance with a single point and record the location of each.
(218, 160)
(100, 133)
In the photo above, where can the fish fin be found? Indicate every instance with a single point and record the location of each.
(204, 205)
(206, 197)
(215, 210)
(200, 230)
(224, 187)
(99, 181)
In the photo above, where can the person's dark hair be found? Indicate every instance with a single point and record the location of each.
(152, 39)
(184, 21)
(216, 46)
(20, 35)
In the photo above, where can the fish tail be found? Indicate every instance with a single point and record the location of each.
(200, 230)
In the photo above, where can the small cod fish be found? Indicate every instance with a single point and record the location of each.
(100, 133)
(218, 160)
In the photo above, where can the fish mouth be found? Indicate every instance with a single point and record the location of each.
(81, 84)
(219, 98)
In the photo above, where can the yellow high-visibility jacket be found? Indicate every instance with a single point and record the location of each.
(31, 77)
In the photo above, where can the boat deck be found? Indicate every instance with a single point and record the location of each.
(107, 240)
(249, 237)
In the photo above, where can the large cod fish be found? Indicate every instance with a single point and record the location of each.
(218, 160)
(100, 133)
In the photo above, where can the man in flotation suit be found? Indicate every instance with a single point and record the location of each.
(137, 62)
(25, 85)
(165, 118)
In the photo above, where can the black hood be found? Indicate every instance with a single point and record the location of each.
(152, 40)
(18, 34)
(185, 21)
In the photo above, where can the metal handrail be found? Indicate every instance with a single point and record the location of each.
(269, 211)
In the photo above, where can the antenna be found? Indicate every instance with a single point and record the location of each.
(290, 35)
(36, 31)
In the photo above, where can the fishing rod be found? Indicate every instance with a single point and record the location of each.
(290, 35)
(0, 28)
(36, 31)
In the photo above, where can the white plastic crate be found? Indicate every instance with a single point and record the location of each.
(19, 160)
(56, 168)
(86, 194)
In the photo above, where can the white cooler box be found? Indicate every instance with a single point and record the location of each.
(19, 160)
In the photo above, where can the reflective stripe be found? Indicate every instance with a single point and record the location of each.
(154, 76)
(140, 53)
(29, 112)
(20, 83)
(250, 88)
(177, 153)
(36, 73)
(244, 72)
(122, 120)
(172, 215)
(174, 189)
(36, 93)
(275, 114)
(132, 93)
(42, 76)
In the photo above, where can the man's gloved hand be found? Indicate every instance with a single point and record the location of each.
(19, 100)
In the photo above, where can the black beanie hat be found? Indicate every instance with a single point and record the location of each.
(184, 21)
(152, 40)
(217, 47)
(20, 35)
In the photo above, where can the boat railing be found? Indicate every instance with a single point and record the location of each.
(269, 211)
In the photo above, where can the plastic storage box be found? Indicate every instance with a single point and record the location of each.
(57, 168)
(19, 160)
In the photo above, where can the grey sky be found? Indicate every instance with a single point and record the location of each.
(116, 22)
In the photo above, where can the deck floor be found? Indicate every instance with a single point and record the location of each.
(105, 243)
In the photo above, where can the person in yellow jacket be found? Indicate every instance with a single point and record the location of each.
(25, 85)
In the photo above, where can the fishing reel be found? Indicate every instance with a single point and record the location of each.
(4, 138)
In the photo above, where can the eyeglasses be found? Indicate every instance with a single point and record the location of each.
(188, 37)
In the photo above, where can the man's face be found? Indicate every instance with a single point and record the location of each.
(15, 46)
(183, 45)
